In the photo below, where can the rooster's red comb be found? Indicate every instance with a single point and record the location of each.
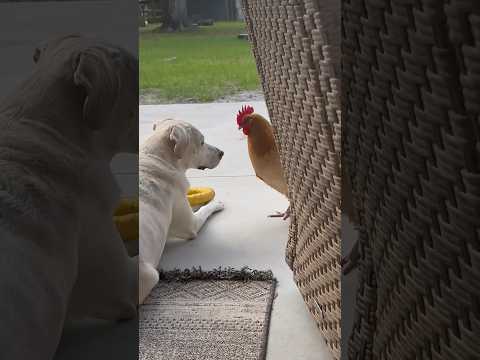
(246, 110)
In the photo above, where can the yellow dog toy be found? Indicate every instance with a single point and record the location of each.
(126, 219)
(126, 214)
(198, 196)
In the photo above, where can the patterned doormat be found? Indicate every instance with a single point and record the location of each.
(216, 315)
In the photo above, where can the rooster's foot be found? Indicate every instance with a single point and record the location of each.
(285, 215)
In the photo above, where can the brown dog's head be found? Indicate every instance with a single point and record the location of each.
(101, 81)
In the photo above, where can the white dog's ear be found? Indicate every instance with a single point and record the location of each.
(36, 54)
(179, 138)
(95, 72)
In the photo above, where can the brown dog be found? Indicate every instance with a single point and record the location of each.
(60, 253)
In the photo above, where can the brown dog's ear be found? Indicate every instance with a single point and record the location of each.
(95, 72)
(180, 140)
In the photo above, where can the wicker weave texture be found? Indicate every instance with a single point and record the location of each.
(297, 47)
(411, 129)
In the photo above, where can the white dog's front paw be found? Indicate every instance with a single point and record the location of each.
(218, 206)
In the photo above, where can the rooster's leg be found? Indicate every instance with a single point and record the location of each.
(285, 215)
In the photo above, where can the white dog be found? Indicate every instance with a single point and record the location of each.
(165, 156)
(60, 253)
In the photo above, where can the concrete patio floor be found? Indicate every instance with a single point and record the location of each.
(242, 234)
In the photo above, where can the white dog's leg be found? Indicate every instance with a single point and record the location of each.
(202, 214)
(148, 278)
(192, 222)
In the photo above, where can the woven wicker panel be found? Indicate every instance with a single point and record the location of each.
(295, 43)
(411, 82)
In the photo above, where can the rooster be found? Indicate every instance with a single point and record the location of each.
(263, 151)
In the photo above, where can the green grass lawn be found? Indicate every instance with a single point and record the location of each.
(199, 65)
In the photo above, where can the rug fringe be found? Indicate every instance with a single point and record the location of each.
(220, 273)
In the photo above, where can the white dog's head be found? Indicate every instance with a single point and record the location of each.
(77, 74)
(188, 144)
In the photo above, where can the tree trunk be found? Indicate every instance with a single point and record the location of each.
(177, 18)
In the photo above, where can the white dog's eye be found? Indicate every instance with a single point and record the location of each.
(202, 143)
